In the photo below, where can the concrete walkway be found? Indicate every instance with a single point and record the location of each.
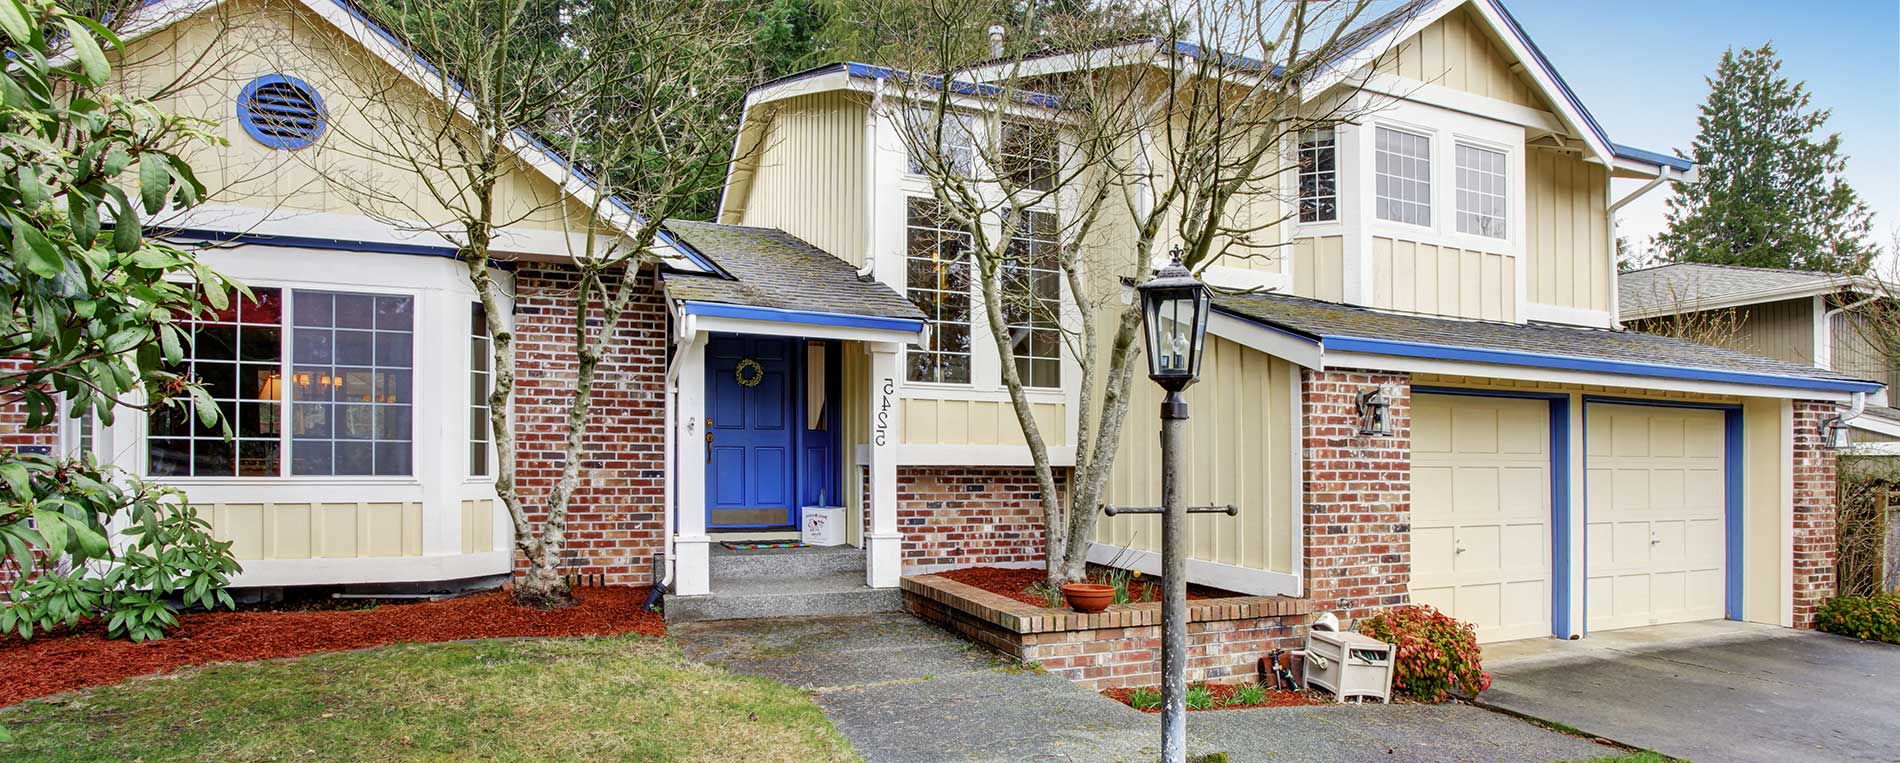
(1711, 692)
(905, 691)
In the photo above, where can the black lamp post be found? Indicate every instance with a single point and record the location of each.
(1174, 318)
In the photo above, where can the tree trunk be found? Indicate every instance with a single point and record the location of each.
(541, 585)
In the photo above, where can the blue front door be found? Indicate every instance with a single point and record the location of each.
(752, 424)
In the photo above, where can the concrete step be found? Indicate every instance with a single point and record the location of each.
(749, 598)
(808, 562)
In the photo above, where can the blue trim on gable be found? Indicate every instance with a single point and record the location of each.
(305, 242)
(1651, 157)
(1519, 358)
(960, 87)
(1561, 556)
(1732, 498)
(808, 317)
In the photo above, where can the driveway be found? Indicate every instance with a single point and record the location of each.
(907, 692)
(1711, 692)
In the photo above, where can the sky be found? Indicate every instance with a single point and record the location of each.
(1639, 66)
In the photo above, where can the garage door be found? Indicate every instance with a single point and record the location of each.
(1481, 512)
(1655, 534)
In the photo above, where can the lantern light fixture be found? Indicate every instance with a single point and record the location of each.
(1174, 306)
(1375, 412)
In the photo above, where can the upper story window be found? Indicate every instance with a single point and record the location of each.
(281, 112)
(350, 390)
(1481, 191)
(937, 280)
(1403, 174)
(1319, 176)
(480, 384)
(958, 140)
(1032, 300)
(1029, 156)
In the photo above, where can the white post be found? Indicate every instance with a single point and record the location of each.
(442, 467)
(884, 545)
(692, 572)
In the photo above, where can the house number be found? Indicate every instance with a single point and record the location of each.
(884, 412)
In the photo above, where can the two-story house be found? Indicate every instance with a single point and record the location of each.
(1540, 473)
(1827, 320)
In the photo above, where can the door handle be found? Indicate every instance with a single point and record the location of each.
(709, 439)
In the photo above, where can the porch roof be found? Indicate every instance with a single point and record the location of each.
(1344, 328)
(782, 277)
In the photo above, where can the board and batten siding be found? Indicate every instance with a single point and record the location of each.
(1241, 445)
(260, 531)
(1440, 280)
(201, 65)
(1458, 52)
(930, 421)
(1319, 268)
(808, 179)
(1854, 352)
(1567, 232)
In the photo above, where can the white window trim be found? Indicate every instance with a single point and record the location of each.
(1342, 177)
(1514, 183)
(1370, 176)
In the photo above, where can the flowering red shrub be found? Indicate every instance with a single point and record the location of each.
(1437, 654)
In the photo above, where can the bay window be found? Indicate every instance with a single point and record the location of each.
(480, 384)
(346, 391)
(1481, 191)
(1032, 300)
(937, 281)
(1403, 177)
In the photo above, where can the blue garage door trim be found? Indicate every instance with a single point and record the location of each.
(1560, 541)
(1732, 483)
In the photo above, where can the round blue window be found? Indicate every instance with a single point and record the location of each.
(281, 112)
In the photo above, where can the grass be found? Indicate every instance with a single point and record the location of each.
(618, 698)
(1199, 698)
(1144, 699)
(1250, 694)
(1636, 757)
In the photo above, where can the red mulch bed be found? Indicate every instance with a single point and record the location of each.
(1221, 692)
(84, 657)
(1015, 583)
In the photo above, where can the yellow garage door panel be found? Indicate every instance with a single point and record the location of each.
(1655, 529)
(1481, 512)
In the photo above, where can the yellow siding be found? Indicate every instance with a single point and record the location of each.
(1782, 330)
(200, 65)
(1427, 278)
(1459, 52)
(856, 389)
(977, 422)
(1567, 232)
(1319, 268)
(1855, 350)
(263, 531)
(1240, 451)
(478, 526)
(809, 181)
(1440, 380)
(1765, 453)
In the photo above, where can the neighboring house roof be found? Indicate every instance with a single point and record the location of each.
(775, 270)
(1342, 328)
(1692, 286)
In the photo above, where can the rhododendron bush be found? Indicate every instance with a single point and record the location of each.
(1436, 654)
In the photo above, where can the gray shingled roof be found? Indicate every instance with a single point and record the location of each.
(1668, 289)
(1323, 320)
(775, 269)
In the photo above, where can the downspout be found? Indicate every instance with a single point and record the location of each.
(1835, 424)
(689, 325)
(869, 267)
(1824, 355)
(1662, 176)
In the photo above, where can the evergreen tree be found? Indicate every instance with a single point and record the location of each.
(1770, 193)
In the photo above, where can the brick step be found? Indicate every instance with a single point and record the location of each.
(775, 563)
(749, 598)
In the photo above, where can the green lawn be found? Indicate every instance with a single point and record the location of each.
(596, 699)
(1638, 757)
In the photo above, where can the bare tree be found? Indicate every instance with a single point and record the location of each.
(614, 86)
(1688, 320)
(1067, 164)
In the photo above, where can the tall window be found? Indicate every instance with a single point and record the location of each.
(1319, 176)
(237, 355)
(1481, 191)
(352, 382)
(1029, 156)
(480, 383)
(937, 280)
(958, 141)
(350, 388)
(1403, 171)
(1032, 300)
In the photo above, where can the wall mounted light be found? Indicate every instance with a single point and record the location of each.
(1375, 413)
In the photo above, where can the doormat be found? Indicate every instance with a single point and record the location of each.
(743, 545)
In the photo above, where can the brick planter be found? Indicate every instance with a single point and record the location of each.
(1121, 646)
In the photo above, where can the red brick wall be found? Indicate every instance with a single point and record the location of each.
(966, 516)
(616, 518)
(1814, 512)
(14, 434)
(1358, 495)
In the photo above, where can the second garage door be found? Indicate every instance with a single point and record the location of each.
(1481, 512)
(1656, 498)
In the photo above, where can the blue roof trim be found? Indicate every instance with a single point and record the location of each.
(960, 87)
(1571, 363)
(665, 236)
(304, 242)
(1651, 157)
(1230, 60)
(807, 317)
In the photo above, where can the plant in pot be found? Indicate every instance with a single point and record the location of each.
(1088, 598)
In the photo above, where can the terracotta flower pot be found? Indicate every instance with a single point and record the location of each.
(1088, 597)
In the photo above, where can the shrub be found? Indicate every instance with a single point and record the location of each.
(1248, 694)
(1873, 618)
(1436, 654)
(1144, 699)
